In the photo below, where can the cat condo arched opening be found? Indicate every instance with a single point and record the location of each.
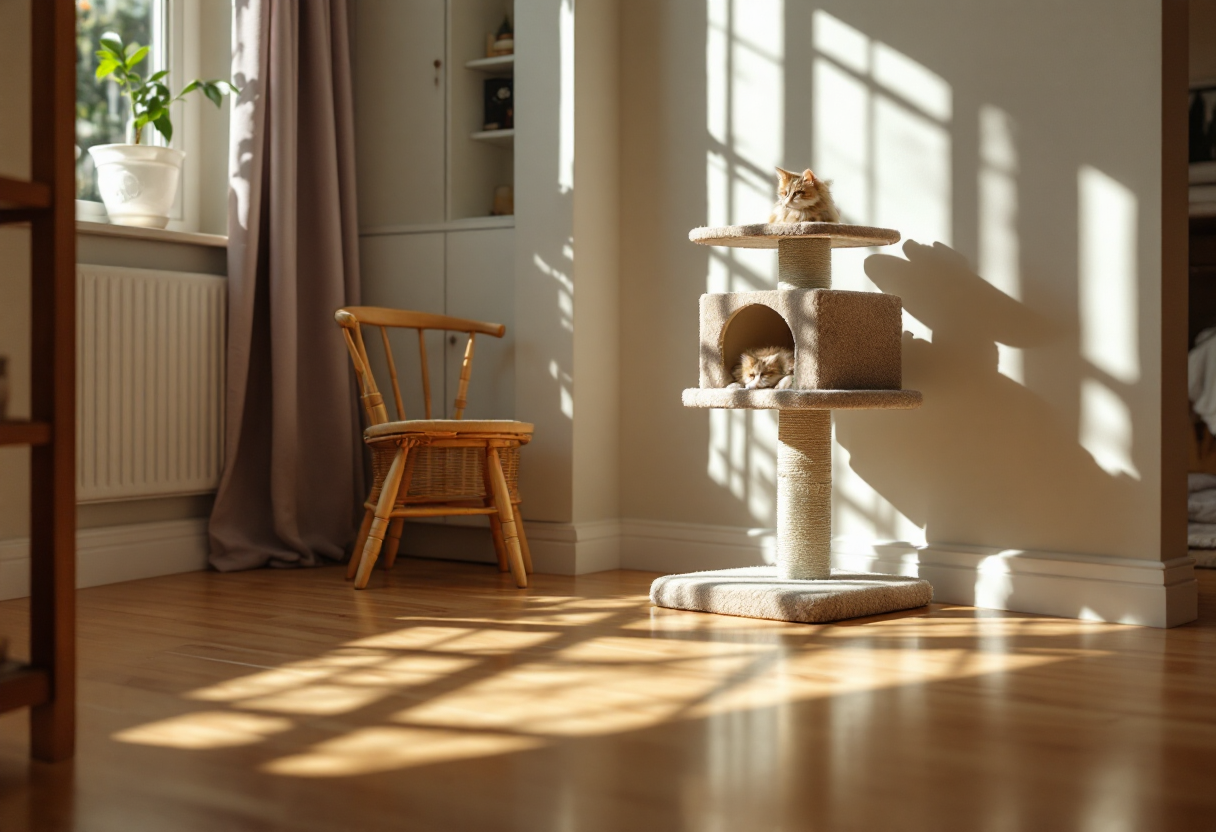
(749, 327)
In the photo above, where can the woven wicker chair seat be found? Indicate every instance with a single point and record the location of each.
(507, 426)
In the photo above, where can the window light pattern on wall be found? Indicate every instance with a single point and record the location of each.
(875, 114)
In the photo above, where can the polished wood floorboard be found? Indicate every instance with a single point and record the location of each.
(443, 698)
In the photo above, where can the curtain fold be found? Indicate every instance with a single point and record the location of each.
(292, 485)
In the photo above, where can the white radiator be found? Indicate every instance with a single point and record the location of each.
(149, 382)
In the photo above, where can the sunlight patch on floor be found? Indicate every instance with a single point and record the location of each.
(467, 688)
(206, 729)
(285, 684)
(389, 747)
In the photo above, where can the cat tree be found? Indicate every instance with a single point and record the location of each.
(847, 348)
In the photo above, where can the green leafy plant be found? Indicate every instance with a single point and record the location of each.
(150, 97)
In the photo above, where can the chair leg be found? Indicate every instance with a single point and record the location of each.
(384, 508)
(393, 542)
(356, 552)
(500, 545)
(502, 501)
(523, 539)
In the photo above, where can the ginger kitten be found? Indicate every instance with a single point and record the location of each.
(765, 367)
(803, 198)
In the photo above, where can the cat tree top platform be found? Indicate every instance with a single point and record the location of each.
(769, 235)
(770, 399)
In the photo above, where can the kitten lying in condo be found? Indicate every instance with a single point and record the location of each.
(803, 197)
(764, 367)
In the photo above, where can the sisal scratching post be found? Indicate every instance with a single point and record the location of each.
(804, 494)
(804, 263)
(847, 356)
(804, 441)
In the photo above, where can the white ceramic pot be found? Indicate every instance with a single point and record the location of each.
(138, 182)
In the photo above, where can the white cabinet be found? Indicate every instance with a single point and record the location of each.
(400, 109)
(481, 285)
(417, 106)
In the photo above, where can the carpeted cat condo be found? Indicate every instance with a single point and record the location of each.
(841, 340)
(847, 355)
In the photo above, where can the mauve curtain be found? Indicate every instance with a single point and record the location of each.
(293, 473)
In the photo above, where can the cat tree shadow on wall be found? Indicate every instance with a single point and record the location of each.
(985, 451)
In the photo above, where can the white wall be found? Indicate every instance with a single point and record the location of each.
(567, 286)
(597, 262)
(544, 258)
(1018, 148)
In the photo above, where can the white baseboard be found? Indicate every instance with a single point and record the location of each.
(557, 548)
(575, 549)
(1150, 593)
(114, 554)
(657, 546)
(1093, 587)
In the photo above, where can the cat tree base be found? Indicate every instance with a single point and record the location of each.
(760, 592)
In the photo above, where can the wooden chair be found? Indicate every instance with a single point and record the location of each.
(433, 467)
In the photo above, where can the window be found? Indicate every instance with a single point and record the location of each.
(191, 39)
(102, 114)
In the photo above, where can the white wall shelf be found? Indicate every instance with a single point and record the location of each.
(499, 64)
(502, 138)
(466, 224)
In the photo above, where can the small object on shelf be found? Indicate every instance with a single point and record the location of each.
(504, 201)
(503, 41)
(499, 104)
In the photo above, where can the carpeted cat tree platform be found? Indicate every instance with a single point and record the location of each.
(847, 356)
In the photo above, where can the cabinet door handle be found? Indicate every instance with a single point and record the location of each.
(452, 340)
(438, 64)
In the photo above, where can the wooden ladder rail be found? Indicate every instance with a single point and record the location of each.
(48, 683)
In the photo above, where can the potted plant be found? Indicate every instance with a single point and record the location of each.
(138, 182)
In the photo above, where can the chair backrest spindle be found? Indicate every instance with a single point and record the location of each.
(352, 318)
(466, 369)
(392, 374)
(369, 394)
(426, 372)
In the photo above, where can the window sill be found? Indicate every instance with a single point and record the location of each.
(160, 235)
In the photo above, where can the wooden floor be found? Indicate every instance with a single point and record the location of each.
(444, 699)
